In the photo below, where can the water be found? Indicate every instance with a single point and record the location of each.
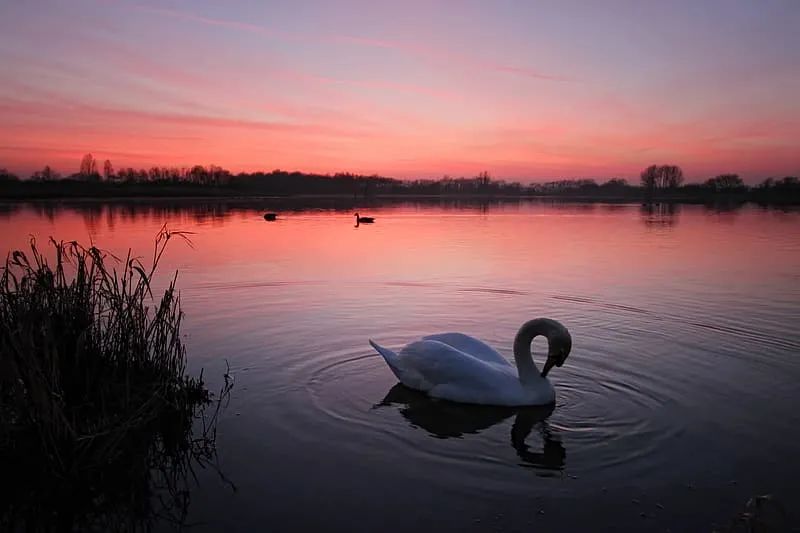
(677, 404)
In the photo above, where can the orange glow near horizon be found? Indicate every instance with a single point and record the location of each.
(460, 246)
(151, 86)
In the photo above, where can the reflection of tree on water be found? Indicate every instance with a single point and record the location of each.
(660, 214)
(443, 420)
(92, 214)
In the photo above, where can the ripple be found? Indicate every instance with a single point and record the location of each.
(601, 422)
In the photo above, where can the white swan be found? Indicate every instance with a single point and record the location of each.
(460, 368)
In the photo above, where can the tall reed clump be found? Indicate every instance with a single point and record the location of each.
(94, 396)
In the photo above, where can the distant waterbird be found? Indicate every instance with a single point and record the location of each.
(270, 216)
(363, 220)
(460, 368)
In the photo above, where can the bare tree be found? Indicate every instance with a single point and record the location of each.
(108, 170)
(46, 174)
(198, 174)
(671, 176)
(5, 175)
(725, 182)
(88, 166)
(661, 177)
(649, 177)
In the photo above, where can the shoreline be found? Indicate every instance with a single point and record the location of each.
(740, 198)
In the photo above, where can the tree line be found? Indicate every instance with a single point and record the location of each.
(655, 180)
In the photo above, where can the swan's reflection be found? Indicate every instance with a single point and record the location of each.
(443, 419)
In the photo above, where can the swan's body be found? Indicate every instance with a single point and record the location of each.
(270, 216)
(460, 368)
(364, 220)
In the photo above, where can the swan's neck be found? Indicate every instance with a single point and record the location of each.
(526, 368)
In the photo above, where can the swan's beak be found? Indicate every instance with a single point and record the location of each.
(550, 363)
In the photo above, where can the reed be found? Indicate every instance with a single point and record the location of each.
(94, 395)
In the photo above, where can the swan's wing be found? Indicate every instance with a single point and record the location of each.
(430, 364)
(470, 345)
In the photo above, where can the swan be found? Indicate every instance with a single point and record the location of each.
(460, 368)
(270, 216)
(364, 220)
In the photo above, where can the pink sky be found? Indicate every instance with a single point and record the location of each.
(530, 91)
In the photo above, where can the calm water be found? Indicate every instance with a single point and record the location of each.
(678, 403)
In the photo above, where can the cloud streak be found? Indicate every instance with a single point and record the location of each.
(441, 57)
(81, 113)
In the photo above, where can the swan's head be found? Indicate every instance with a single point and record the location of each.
(559, 346)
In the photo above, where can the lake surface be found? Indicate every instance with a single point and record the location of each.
(677, 404)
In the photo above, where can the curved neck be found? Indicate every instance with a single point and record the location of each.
(526, 368)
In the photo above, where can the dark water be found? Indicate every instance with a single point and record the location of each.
(678, 403)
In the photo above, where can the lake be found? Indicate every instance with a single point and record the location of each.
(677, 404)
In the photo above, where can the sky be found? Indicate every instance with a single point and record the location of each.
(526, 90)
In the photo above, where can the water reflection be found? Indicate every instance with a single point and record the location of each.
(445, 420)
(214, 211)
(145, 484)
(669, 317)
(660, 214)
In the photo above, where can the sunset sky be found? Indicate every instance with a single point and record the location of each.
(528, 90)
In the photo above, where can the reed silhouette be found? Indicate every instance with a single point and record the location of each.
(100, 426)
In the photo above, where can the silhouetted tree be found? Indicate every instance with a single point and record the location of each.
(483, 180)
(649, 178)
(661, 177)
(616, 183)
(218, 175)
(88, 166)
(5, 175)
(671, 176)
(725, 182)
(108, 170)
(198, 174)
(46, 174)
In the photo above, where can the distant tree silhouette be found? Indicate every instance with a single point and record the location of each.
(46, 174)
(649, 178)
(616, 183)
(725, 182)
(214, 180)
(484, 180)
(661, 177)
(88, 169)
(5, 175)
(198, 174)
(782, 190)
(108, 170)
(218, 176)
(671, 176)
(88, 165)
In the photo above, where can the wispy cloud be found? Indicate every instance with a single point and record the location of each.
(375, 84)
(421, 52)
(232, 24)
(80, 112)
(450, 57)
